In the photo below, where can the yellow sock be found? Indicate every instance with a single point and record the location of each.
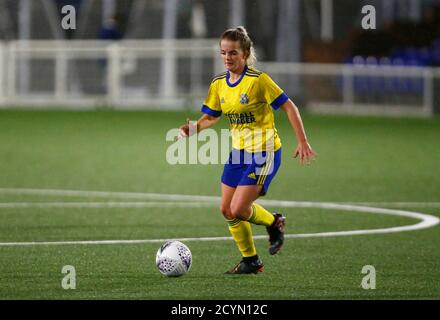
(261, 216)
(241, 231)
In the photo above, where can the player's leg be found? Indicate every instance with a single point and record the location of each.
(244, 207)
(254, 183)
(239, 229)
(241, 232)
(225, 205)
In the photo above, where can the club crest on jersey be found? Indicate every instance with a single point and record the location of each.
(244, 99)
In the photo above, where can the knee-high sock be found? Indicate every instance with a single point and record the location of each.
(261, 216)
(241, 231)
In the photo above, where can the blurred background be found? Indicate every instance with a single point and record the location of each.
(146, 54)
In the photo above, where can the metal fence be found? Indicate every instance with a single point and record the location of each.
(360, 89)
(176, 73)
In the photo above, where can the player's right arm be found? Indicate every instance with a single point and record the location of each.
(211, 112)
(191, 127)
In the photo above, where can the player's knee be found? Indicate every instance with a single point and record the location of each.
(226, 212)
(238, 211)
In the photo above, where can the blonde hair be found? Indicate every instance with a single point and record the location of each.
(241, 35)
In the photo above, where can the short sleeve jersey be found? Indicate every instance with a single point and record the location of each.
(248, 104)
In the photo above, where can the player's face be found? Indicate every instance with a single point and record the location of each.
(233, 56)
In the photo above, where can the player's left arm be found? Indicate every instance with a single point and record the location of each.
(303, 150)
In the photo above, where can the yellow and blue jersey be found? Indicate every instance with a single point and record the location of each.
(248, 105)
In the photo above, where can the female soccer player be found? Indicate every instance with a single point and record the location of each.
(248, 98)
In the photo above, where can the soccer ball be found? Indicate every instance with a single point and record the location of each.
(173, 258)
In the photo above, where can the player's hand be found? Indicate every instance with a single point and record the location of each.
(305, 153)
(186, 130)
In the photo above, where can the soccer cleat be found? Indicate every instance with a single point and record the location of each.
(276, 233)
(244, 267)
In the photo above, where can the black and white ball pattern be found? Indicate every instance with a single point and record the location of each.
(185, 255)
(173, 258)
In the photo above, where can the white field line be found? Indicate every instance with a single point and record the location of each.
(106, 205)
(163, 204)
(427, 221)
(181, 197)
(399, 204)
(155, 204)
(104, 194)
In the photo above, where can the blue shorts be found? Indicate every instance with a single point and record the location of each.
(244, 169)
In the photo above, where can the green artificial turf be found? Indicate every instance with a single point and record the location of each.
(360, 159)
